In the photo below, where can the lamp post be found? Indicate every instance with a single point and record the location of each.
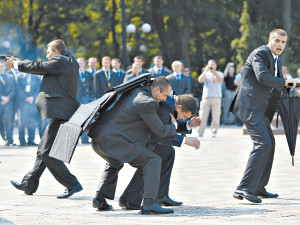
(124, 42)
(145, 28)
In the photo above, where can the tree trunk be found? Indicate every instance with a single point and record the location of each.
(162, 33)
(185, 36)
(115, 42)
(287, 26)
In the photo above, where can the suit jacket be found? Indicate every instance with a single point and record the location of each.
(58, 91)
(181, 86)
(154, 72)
(165, 108)
(253, 95)
(125, 130)
(117, 78)
(101, 83)
(86, 88)
(27, 88)
(7, 88)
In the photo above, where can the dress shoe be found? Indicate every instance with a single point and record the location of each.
(128, 205)
(155, 209)
(7, 143)
(31, 143)
(20, 187)
(167, 201)
(267, 195)
(241, 194)
(69, 193)
(101, 206)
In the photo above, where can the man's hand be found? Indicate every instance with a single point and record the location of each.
(192, 141)
(173, 120)
(5, 100)
(10, 61)
(29, 100)
(195, 122)
(292, 83)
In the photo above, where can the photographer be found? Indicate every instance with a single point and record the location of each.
(211, 97)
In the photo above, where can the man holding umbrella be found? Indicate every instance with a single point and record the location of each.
(255, 103)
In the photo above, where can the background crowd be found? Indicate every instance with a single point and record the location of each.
(214, 93)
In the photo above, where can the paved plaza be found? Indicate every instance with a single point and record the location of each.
(203, 179)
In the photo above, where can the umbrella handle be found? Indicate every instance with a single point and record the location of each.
(293, 160)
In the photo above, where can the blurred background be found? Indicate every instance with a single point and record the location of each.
(192, 31)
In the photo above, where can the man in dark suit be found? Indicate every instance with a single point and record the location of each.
(158, 69)
(135, 71)
(85, 90)
(122, 135)
(180, 82)
(255, 103)
(7, 92)
(28, 91)
(118, 75)
(140, 61)
(102, 77)
(57, 101)
(182, 107)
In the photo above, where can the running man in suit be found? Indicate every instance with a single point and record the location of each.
(57, 101)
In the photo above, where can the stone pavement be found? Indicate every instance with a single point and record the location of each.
(203, 179)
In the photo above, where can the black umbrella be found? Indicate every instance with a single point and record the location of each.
(289, 111)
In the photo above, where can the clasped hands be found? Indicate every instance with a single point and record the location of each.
(10, 61)
(292, 83)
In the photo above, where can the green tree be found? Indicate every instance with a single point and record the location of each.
(245, 44)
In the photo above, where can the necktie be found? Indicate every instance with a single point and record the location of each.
(159, 71)
(178, 76)
(275, 61)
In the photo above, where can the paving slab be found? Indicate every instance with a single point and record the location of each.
(203, 179)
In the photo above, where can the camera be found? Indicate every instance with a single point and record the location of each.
(210, 67)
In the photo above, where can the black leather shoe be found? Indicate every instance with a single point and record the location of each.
(267, 195)
(155, 209)
(31, 143)
(69, 193)
(20, 187)
(128, 205)
(101, 206)
(241, 194)
(167, 201)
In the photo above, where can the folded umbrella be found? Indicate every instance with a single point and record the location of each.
(289, 111)
(69, 133)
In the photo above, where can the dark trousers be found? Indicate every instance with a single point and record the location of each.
(134, 191)
(56, 167)
(258, 170)
(147, 163)
(27, 119)
(7, 117)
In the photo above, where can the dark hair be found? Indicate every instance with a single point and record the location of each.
(58, 45)
(117, 59)
(161, 82)
(187, 102)
(138, 57)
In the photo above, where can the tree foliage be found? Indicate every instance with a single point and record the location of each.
(193, 31)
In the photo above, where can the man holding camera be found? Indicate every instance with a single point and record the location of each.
(211, 97)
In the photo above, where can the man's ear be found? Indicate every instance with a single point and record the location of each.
(179, 107)
(57, 52)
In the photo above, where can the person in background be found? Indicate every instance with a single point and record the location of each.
(7, 93)
(85, 90)
(229, 76)
(180, 82)
(135, 71)
(158, 69)
(238, 76)
(140, 61)
(187, 72)
(92, 64)
(28, 86)
(102, 77)
(211, 97)
(118, 75)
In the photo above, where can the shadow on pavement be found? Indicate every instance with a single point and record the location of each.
(189, 211)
